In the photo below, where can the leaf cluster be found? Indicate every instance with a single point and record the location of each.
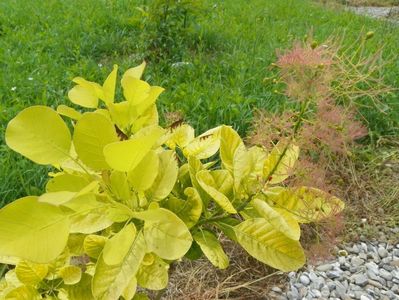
(127, 197)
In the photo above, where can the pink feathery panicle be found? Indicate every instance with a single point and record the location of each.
(309, 173)
(306, 72)
(303, 56)
(333, 126)
(270, 128)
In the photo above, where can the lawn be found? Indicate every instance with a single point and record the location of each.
(44, 44)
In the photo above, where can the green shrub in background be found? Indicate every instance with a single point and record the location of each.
(168, 27)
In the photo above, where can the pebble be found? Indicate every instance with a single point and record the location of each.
(334, 274)
(382, 252)
(360, 279)
(356, 261)
(386, 275)
(324, 268)
(364, 271)
(277, 289)
(304, 279)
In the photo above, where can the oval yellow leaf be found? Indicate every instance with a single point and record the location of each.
(25, 228)
(307, 204)
(281, 222)
(70, 274)
(39, 134)
(69, 112)
(153, 276)
(259, 238)
(93, 245)
(280, 162)
(117, 247)
(66, 182)
(23, 292)
(92, 133)
(126, 155)
(31, 273)
(143, 175)
(166, 178)
(208, 184)
(189, 210)
(165, 234)
(212, 248)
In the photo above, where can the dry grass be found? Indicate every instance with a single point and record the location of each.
(371, 185)
(245, 278)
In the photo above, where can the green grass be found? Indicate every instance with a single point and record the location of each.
(44, 44)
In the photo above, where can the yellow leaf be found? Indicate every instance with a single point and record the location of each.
(194, 166)
(148, 259)
(135, 72)
(241, 166)
(44, 142)
(117, 247)
(66, 182)
(82, 96)
(208, 184)
(81, 290)
(109, 86)
(180, 136)
(70, 274)
(148, 118)
(257, 158)
(30, 273)
(23, 293)
(135, 90)
(9, 260)
(130, 289)
(126, 155)
(68, 112)
(149, 102)
(110, 282)
(189, 210)
(262, 241)
(120, 114)
(167, 176)
(212, 249)
(88, 215)
(165, 234)
(12, 279)
(92, 133)
(57, 198)
(230, 141)
(205, 145)
(119, 186)
(93, 245)
(75, 244)
(25, 228)
(153, 276)
(144, 174)
(280, 162)
(306, 204)
(281, 222)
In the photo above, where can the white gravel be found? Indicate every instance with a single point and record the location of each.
(365, 271)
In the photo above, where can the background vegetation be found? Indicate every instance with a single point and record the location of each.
(211, 57)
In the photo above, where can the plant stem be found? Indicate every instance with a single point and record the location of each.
(216, 218)
(3, 269)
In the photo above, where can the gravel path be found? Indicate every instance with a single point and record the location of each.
(364, 270)
(375, 12)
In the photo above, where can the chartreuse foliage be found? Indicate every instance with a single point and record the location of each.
(127, 197)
